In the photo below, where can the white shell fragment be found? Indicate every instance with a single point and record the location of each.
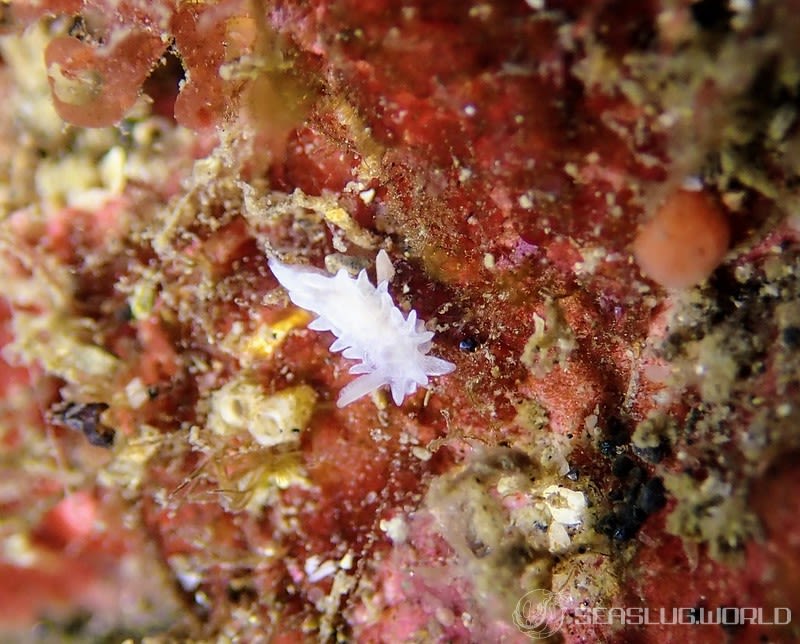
(277, 419)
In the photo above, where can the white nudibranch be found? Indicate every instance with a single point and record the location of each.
(392, 349)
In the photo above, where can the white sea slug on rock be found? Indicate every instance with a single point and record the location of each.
(392, 349)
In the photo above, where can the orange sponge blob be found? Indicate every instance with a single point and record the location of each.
(684, 242)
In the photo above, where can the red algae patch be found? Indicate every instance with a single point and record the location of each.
(93, 88)
(684, 242)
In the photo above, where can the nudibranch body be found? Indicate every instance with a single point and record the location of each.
(392, 349)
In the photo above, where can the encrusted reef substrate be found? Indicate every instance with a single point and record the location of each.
(593, 208)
